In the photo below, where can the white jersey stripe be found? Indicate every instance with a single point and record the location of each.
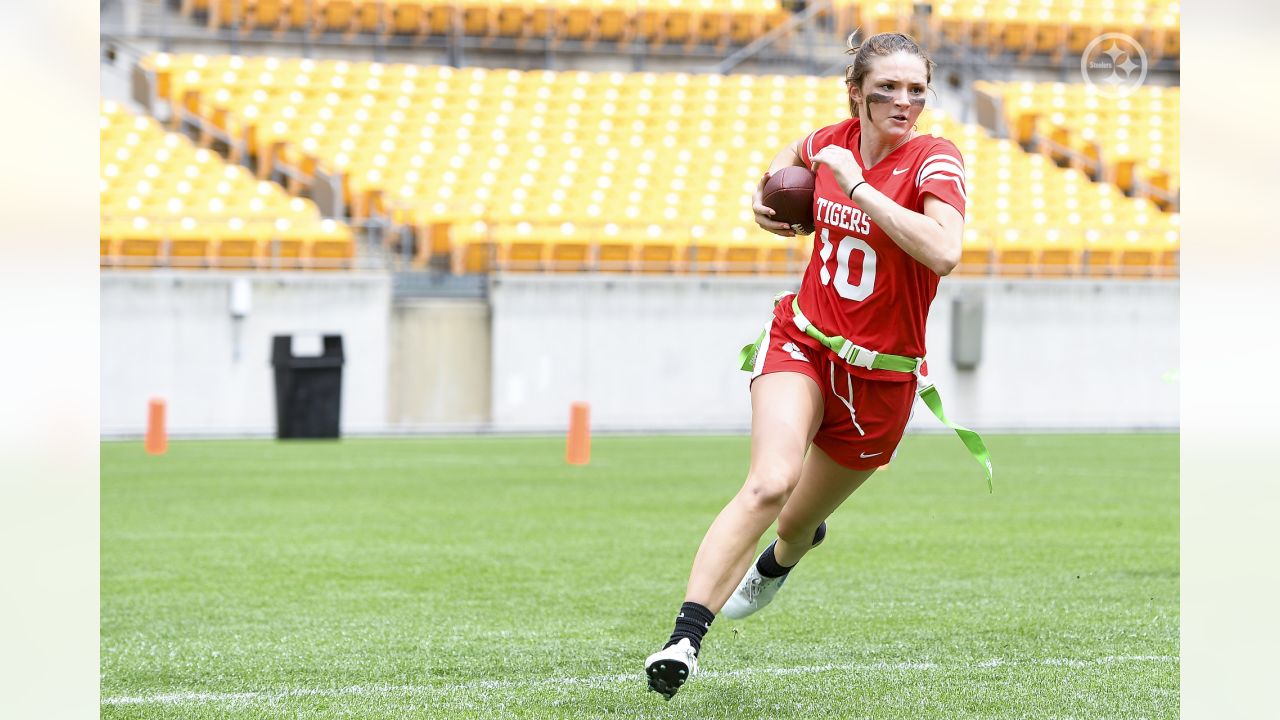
(946, 174)
(944, 159)
(808, 145)
(959, 187)
(941, 165)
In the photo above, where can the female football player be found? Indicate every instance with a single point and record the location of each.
(889, 208)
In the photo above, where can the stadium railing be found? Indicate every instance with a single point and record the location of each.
(166, 203)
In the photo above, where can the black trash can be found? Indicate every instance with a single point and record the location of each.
(308, 389)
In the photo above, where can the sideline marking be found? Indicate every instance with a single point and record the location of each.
(595, 680)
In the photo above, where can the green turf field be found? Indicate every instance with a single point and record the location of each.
(484, 578)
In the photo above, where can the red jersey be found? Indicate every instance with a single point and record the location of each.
(859, 284)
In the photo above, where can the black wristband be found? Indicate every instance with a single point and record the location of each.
(854, 188)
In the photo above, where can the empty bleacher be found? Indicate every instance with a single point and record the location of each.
(679, 22)
(163, 201)
(621, 171)
(1132, 141)
(1024, 27)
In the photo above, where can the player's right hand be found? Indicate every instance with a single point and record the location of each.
(764, 214)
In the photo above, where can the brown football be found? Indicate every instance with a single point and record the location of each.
(790, 193)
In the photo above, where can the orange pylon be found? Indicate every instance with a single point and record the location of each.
(578, 448)
(157, 441)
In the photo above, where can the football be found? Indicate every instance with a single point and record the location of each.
(789, 192)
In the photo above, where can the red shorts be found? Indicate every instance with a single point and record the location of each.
(863, 420)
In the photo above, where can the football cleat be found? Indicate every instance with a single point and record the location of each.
(670, 667)
(755, 591)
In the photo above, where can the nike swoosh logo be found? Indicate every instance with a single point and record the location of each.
(899, 171)
(867, 455)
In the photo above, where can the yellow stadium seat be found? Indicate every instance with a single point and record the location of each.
(329, 245)
(163, 201)
(297, 15)
(1129, 139)
(1048, 38)
(334, 15)
(190, 7)
(648, 20)
(611, 19)
(139, 244)
(740, 254)
(190, 245)
(369, 16)
(237, 245)
(521, 246)
(577, 18)
(1017, 36)
(226, 13)
(746, 26)
(1170, 253)
(784, 256)
(1060, 253)
(976, 253)
(1139, 254)
(1170, 42)
(283, 245)
(713, 22)
(110, 233)
(266, 14)
(1016, 252)
(616, 247)
(607, 170)
(701, 254)
(476, 16)
(659, 249)
(472, 248)
(540, 17)
(570, 249)
(1102, 251)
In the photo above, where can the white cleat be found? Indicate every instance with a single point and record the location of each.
(670, 667)
(755, 591)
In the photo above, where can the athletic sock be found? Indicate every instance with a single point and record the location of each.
(820, 533)
(768, 564)
(693, 622)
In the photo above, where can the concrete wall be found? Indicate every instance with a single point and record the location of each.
(439, 362)
(649, 353)
(171, 335)
(660, 352)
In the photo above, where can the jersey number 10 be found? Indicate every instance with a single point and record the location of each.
(848, 244)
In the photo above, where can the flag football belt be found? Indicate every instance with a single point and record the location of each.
(859, 356)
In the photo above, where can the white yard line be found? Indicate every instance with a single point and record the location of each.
(594, 681)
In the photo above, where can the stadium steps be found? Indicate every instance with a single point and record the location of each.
(166, 203)
(1132, 141)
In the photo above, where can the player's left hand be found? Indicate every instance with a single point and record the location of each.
(842, 165)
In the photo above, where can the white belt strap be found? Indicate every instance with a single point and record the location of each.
(853, 417)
